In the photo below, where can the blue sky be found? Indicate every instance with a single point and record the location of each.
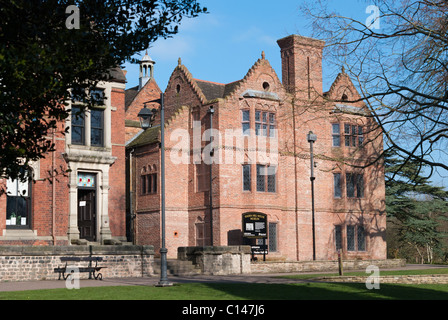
(222, 45)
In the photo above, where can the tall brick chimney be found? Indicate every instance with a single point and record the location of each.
(302, 65)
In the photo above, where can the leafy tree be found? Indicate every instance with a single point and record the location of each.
(416, 209)
(44, 53)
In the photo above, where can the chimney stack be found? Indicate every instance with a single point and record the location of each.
(302, 66)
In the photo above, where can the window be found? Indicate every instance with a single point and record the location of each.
(338, 237)
(361, 239)
(97, 96)
(261, 178)
(18, 204)
(246, 178)
(355, 185)
(336, 135)
(148, 182)
(337, 185)
(356, 239)
(272, 237)
(97, 127)
(246, 122)
(202, 177)
(78, 126)
(266, 178)
(264, 124)
(353, 135)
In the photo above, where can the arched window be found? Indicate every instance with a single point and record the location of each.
(18, 203)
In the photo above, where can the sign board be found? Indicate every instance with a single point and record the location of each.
(255, 225)
(255, 232)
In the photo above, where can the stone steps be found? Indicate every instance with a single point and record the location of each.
(177, 267)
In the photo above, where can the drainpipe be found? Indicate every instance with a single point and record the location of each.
(53, 206)
(211, 111)
(132, 223)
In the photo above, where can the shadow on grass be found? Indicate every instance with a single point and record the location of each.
(331, 291)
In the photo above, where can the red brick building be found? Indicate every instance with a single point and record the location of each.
(261, 162)
(85, 201)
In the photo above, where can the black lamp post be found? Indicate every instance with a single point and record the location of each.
(311, 139)
(147, 118)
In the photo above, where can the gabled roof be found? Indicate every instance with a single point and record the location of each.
(208, 91)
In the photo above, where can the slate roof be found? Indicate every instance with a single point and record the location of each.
(148, 136)
(213, 90)
(130, 95)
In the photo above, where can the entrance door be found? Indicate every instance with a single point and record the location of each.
(87, 214)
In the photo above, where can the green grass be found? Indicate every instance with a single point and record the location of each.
(382, 273)
(245, 291)
(232, 291)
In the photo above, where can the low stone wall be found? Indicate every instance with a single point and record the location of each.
(29, 263)
(398, 279)
(221, 260)
(321, 266)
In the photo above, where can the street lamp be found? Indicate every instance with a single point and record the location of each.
(146, 120)
(147, 117)
(311, 139)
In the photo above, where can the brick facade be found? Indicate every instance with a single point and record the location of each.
(53, 215)
(353, 221)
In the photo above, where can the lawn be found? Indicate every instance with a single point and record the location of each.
(240, 291)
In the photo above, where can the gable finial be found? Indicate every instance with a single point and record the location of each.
(263, 56)
(343, 69)
(179, 61)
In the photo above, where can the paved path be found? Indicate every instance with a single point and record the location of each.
(151, 281)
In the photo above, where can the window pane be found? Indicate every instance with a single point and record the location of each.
(246, 115)
(361, 239)
(347, 141)
(246, 177)
(96, 118)
(265, 117)
(154, 183)
(336, 141)
(261, 176)
(96, 137)
(336, 128)
(360, 186)
(271, 179)
(77, 135)
(77, 126)
(338, 237)
(271, 131)
(272, 118)
(143, 183)
(350, 238)
(272, 237)
(257, 116)
(337, 185)
(77, 117)
(265, 130)
(258, 129)
(347, 129)
(349, 180)
(360, 131)
(246, 128)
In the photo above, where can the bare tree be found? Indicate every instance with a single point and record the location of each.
(398, 59)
